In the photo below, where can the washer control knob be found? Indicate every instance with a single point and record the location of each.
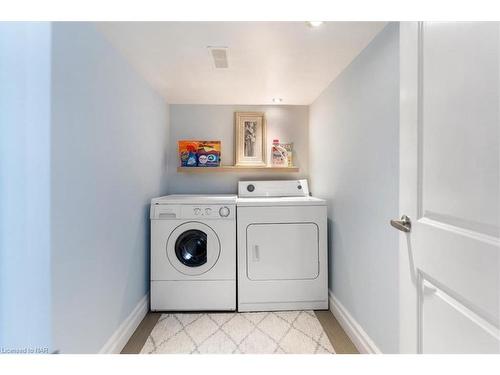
(197, 211)
(224, 211)
(208, 211)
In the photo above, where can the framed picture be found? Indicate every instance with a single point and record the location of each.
(250, 143)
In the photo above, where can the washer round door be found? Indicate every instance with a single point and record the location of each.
(193, 248)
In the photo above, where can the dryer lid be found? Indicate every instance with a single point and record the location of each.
(280, 201)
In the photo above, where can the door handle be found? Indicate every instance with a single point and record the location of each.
(256, 255)
(404, 224)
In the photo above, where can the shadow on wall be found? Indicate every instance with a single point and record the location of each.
(330, 253)
(335, 240)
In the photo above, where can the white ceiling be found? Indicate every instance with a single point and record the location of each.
(289, 60)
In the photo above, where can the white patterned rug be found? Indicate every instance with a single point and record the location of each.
(291, 332)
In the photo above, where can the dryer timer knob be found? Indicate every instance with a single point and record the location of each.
(224, 211)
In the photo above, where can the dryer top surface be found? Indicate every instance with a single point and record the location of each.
(280, 201)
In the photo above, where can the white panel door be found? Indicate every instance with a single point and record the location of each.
(282, 251)
(449, 187)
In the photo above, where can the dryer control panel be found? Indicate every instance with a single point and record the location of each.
(282, 188)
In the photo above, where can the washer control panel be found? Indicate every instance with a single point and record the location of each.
(207, 212)
(199, 212)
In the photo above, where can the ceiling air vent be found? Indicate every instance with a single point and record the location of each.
(219, 57)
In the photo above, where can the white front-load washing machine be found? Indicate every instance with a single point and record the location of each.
(282, 247)
(193, 253)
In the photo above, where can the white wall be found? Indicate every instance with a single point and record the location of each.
(216, 122)
(109, 139)
(354, 140)
(25, 65)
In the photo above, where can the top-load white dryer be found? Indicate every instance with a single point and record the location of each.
(282, 247)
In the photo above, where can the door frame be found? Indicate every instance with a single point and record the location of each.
(410, 65)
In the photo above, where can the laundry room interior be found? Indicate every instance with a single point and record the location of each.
(234, 187)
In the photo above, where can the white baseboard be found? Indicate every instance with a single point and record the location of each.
(120, 337)
(358, 336)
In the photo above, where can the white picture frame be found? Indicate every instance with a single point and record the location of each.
(250, 139)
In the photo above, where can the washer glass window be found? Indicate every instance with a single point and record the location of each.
(191, 248)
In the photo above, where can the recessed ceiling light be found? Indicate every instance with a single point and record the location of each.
(314, 23)
(277, 100)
